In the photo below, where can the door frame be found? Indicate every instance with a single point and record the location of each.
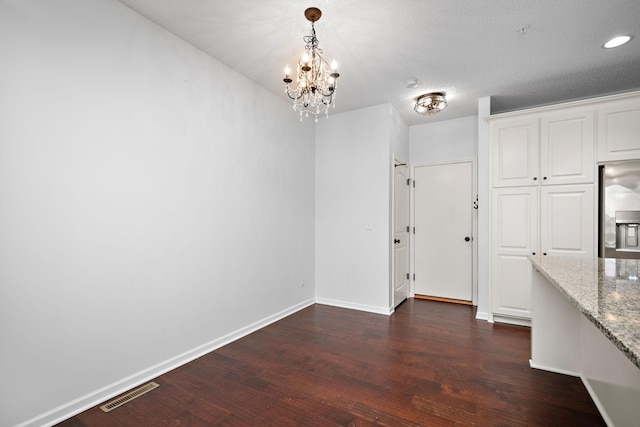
(392, 259)
(474, 223)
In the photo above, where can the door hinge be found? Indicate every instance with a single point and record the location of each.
(408, 181)
(407, 228)
(414, 230)
(407, 276)
(414, 183)
(414, 277)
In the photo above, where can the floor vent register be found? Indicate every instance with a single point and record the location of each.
(115, 403)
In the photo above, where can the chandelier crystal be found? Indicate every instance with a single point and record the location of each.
(315, 88)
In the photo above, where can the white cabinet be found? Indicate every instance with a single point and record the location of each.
(567, 220)
(619, 130)
(514, 223)
(543, 162)
(549, 148)
(542, 171)
(567, 140)
(514, 152)
(554, 219)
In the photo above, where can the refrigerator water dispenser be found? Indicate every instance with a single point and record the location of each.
(627, 223)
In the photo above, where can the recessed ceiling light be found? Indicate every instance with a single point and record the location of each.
(616, 41)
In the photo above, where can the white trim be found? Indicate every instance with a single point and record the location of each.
(482, 315)
(551, 107)
(355, 306)
(596, 401)
(535, 365)
(511, 320)
(412, 237)
(92, 399)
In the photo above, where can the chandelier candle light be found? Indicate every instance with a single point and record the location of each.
(316, 80)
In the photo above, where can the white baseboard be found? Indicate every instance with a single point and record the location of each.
(512, 320)
(535, 365)
(354, 306)
(90, 400)
(596, 401)
(482, 315)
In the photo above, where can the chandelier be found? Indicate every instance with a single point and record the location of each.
(430, 103)
(316, 81)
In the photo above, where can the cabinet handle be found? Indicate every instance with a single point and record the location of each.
(535, 178)
(544, 253)
(533, 253)
(544, 177)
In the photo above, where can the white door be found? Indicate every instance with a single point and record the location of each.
(443, 234)
(401, 234)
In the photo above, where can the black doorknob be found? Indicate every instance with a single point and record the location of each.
(396, 241)
(466, 239)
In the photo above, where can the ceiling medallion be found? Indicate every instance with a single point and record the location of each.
(316, 81)
(430, 103)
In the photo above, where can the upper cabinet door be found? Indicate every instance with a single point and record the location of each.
(567, 146)
(619, 130)
(514, 152)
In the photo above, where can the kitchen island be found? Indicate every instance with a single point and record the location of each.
(586, 323)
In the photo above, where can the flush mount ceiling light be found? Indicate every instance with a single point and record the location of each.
(616, 41)
(430, 103)
(316, 81)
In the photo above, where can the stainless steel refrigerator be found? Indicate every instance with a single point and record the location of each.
(619, 210)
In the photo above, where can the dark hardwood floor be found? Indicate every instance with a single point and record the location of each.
(429, 364)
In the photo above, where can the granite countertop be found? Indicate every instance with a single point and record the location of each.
(605, 290)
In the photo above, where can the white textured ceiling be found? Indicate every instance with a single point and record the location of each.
(467, 48)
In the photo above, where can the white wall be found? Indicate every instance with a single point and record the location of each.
(446, 140)
(154, 204)
(399, 137)
(353, 191)
(456, 139)
(399, 152)
(484, 286)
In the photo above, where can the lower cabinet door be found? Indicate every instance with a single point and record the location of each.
(514, 226)
(512, 291)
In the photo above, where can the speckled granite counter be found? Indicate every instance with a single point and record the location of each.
(606, 291)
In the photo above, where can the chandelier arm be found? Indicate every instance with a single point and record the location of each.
(293, 97)
(330, 93)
